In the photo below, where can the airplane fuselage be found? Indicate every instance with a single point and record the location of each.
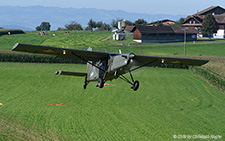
(111, 68)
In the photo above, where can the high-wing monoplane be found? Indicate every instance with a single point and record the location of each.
(103, 66)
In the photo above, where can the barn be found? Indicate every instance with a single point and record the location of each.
(144, 34)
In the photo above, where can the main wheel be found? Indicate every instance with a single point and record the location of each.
(135, 86)
(100, 83)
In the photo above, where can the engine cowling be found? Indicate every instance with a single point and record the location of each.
(120, 61)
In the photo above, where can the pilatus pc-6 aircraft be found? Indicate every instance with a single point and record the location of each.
(103, 66)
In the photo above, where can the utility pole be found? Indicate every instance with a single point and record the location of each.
(185, 39)
(75, 40)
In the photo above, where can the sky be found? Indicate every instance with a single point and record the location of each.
(173, 7)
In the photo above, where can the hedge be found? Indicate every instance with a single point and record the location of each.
(12, 31)
(35, 58)
(218, 82)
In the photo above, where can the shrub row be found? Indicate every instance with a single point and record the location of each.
(171, 66)
(12, 31)
(218, 82)
(35, 58)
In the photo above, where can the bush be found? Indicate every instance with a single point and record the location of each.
(12, 31)
(218, 82)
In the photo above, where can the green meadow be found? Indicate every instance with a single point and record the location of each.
(101, 40)
(35, 104)
(169, 102)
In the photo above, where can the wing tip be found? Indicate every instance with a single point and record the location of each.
(15, 46)
(58, 72)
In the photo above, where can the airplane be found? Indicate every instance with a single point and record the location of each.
(103, 66)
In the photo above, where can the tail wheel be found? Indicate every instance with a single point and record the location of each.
(135, 86)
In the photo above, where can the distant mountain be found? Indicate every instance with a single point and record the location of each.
(27, 18)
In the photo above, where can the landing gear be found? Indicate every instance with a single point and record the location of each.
(100, 83)
(135, 84)
(85, 83)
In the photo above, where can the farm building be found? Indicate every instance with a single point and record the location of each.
(129, 29)
(162, 22)
(119, 35)
(160, 34)
(196, 19)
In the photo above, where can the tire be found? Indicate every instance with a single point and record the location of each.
(100, 83)
(135, 86)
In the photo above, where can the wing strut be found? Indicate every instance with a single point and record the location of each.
(135, 84)
(87, 61)
(125, 79)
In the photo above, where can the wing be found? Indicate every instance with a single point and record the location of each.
(141, 60)
(61, 52)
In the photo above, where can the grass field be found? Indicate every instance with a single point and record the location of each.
(103, 40)
(8, 41)
(169, 102)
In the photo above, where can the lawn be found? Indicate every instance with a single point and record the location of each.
(169, 102)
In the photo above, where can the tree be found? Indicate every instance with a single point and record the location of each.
(140, 21)
(180, 21)
(129, 23)
(73, 25)
(91, 24)
(107, 27)
(45, 26)
(159, 23)
(99, 24)
(60, 29)
(209, 25)
(38, 28)
(104, 27)
(114, 23)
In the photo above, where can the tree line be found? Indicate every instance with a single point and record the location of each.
(91, 25)
(209, 25)
(99, 25)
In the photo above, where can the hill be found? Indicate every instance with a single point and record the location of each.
(30, 17)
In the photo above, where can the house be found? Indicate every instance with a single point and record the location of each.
(119, 35)
(162, 22)
(196, 20)
(144, 34)
(129, 29)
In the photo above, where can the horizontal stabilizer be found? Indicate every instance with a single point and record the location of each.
(70, 73)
